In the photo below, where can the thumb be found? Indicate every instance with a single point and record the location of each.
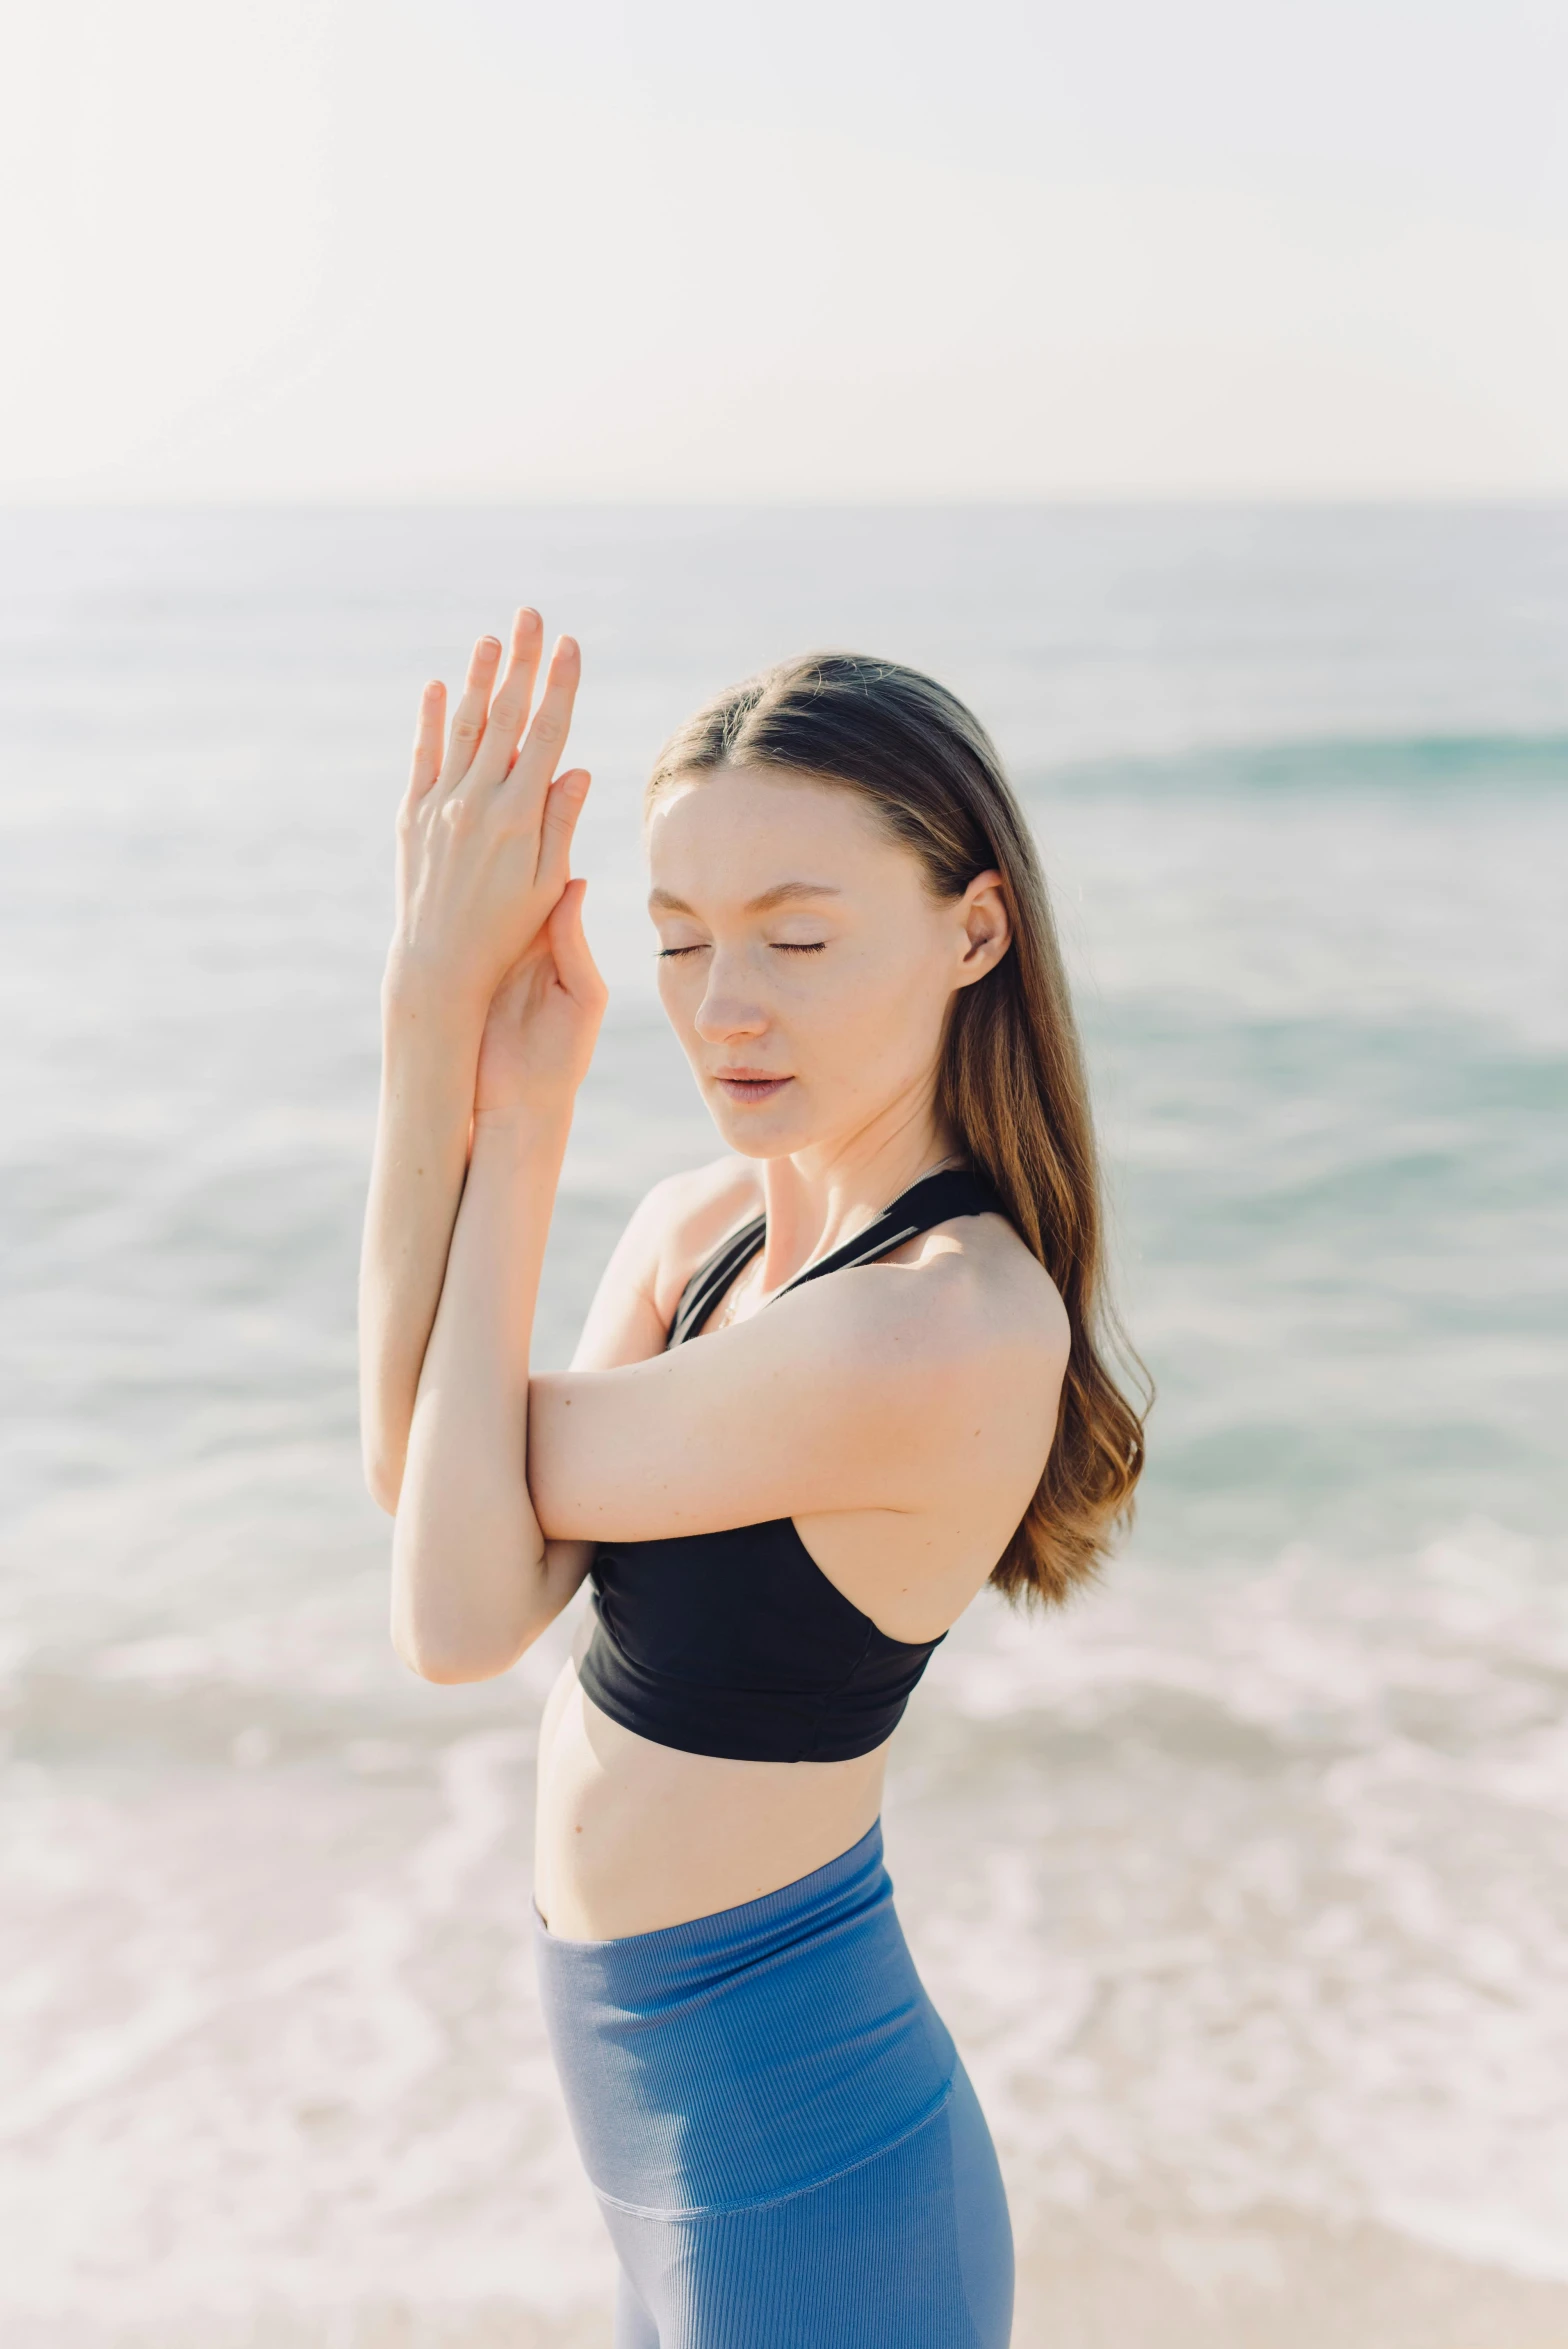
(574, 964)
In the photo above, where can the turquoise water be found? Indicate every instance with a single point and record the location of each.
(1337, 1047)
(1199, 1869)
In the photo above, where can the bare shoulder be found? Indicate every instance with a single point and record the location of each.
(986, 1290)
(965, 1297)
(684, 1218)
(678, 1223)
(946, 1358)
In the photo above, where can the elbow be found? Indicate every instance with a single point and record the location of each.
(455, 1671)
(384, 1489)
(467, 1599)
(453, 1663)
(383, 1477)
(451, 1645)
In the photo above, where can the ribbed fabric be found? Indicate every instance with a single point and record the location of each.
(788, 2151)
(737, 1644)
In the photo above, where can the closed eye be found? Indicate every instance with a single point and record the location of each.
(780, 946)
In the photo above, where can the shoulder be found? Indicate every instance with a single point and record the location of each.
(943, 1362)
(683, 1219)
(965, 1301)
(986, 1289)
(680, 1221)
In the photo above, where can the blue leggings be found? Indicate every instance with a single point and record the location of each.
(787, 2149)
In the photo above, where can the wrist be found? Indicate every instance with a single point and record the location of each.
(428, 1040)
(429, 1055)
(419, 994)
(527, 1127)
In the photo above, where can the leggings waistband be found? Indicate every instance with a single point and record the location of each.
(748, 2055)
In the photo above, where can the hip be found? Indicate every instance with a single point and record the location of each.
(749, 2055)
(784, 2143)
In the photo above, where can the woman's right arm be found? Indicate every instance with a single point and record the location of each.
(455, 932)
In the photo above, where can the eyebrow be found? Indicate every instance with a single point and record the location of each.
(785, 893)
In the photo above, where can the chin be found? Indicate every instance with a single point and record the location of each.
(764, 1132)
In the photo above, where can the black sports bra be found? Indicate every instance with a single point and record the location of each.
(736, 1643)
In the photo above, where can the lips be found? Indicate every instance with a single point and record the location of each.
(749, 1085)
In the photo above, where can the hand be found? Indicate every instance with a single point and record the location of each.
(543, 1020)
(485, 831)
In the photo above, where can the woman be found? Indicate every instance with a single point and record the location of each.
(830, 1385)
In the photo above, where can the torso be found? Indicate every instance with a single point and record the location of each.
(634, 1835)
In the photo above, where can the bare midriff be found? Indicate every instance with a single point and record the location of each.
(633, 1836)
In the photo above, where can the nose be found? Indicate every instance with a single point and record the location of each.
(728, 1006)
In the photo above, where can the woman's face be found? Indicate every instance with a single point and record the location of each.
(804, 963)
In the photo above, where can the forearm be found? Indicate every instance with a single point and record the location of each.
(422, 1132)
(470, 1581)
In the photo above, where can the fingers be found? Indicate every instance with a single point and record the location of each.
(468, 721)
(509, 710)
(574, 964)
(546, 737)
(428, 731)
(562, 807)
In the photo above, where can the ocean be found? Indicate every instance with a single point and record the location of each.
(1242, 1881)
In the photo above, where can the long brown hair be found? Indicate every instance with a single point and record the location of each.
(1011, 1088)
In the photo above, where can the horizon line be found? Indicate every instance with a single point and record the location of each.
(1193, 500)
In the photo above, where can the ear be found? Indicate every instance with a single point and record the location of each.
(985, 931)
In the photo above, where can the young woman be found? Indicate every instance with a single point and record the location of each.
(830, 1385)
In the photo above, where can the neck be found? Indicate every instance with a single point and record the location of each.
(819, 1198)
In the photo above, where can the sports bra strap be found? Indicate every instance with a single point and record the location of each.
(936, 1198)
(710, 1280)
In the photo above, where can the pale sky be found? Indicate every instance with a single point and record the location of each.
(843, 249)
